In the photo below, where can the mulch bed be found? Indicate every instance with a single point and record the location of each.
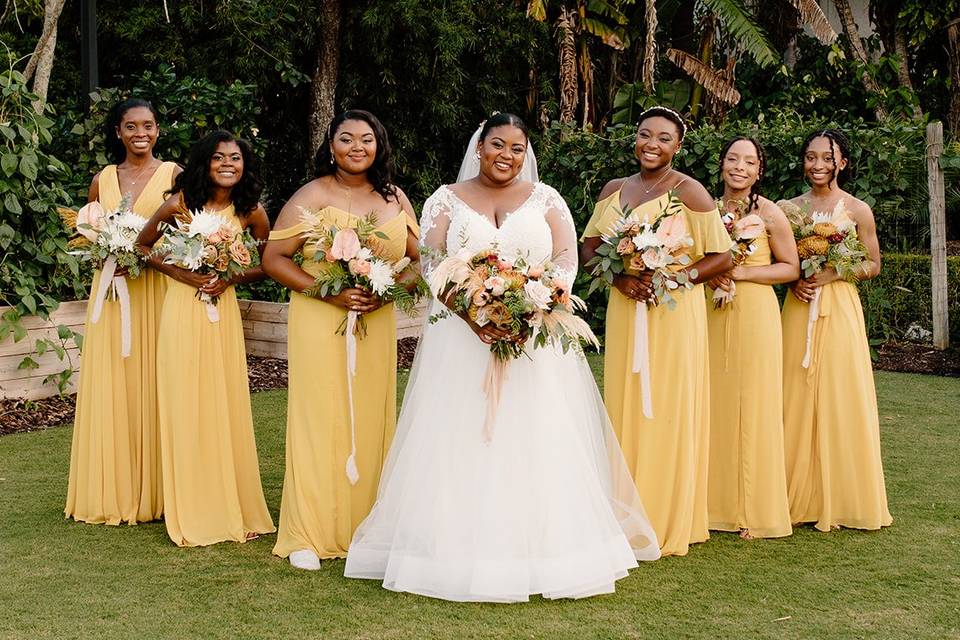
(17, 415)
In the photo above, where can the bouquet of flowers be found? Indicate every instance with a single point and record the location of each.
(743, 230)
(353, 259)
(107, 239)
(824, 240)
(531, 300)
(209, 243)
(659, 247)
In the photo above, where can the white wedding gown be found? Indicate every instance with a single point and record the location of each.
(545, 507)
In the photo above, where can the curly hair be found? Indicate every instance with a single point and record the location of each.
(194, 183)
(501, 119)
(669, 114)
(838, 142)
(755, 191)
(381, 173)
(116, 151)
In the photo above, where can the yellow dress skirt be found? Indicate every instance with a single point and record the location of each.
(320, 508)
(115, 455)
(667, 455)
(831, 426)
(747, 487)
(211, 474)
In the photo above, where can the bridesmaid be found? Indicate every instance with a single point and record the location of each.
(320, 508)
(831, 426)
(666, 454)
(747, 489)
(115, 457)
(211, 476)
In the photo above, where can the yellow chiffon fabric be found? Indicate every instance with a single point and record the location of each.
(211, 474)
(831, 426)
(115, 456)
(666, 455)
(320, 509)
(747, 486)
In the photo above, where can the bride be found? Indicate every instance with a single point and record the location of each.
(546, 506)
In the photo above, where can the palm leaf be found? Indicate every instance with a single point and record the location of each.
(812, 15)
(710, 79)
(537, 9)
(740, 24)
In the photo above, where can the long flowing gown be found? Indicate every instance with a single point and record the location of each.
(830, 419)
(115, 456)
(211, 474)
(546, 506)
(747, 486)
(667, 455)
(320, 509)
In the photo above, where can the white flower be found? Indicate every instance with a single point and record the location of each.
(537, 293)
(205, 224)
(496, 284)
(380, 276)
(364, 254)
(646, 238)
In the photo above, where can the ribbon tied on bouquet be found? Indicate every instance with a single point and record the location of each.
(118, 284)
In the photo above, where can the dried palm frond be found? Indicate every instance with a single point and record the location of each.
(812, 15)
(712, 80)
(568, 67)
(650, 46)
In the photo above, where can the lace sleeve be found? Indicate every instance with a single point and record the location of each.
(434, 224)
(564, 234)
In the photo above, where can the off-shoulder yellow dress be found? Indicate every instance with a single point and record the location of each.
(211, 474)
(667, 455)
(115, 456)
(831, 425)
(747, 486)
(320, 509)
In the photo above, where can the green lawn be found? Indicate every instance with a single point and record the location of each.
(62, 579)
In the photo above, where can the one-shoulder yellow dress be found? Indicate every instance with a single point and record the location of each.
(320, 509)
(667, 455)
(747, 486)
(211, 474)
(115, 456)
(830, 420)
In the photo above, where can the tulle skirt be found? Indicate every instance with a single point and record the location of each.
(544, 506)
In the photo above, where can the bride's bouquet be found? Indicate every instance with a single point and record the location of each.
(107, 239)
(744, 231)
(530, 300)
(209, 243)
(824, 240)
(354, 260)
(659, 247)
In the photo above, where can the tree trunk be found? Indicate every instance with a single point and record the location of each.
(953, 53)
(903, 68)
(323, 86)
(40, 64)
(858, 50)
(568, 67)
(586, 74)
(650, 46)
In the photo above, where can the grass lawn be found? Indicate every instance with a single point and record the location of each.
(63, 579)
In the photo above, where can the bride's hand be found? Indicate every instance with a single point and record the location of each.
(490, 333)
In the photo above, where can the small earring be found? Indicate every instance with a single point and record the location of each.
(478, 155)
(332, 161)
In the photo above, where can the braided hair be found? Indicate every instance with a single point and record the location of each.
(669, 114)
(115, 149)
(755, 191)
(838, 142)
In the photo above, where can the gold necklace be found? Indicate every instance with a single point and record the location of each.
(133, 183)
(643, 184)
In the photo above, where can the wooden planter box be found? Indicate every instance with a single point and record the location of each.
(264, 332)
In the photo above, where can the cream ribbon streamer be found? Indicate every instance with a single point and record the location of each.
(811, 323)
(212, 314)
(121, 293)
(493, 381)
(353, 474)
(641, 357)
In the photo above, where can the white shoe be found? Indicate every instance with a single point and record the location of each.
(305, 559)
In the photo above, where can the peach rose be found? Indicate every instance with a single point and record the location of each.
(91, 215)
(346, 245)
(654, 259)
(222, 262)
(672, 232)
(359, 267)
(209, 255)
(625, 246)
(239, 252)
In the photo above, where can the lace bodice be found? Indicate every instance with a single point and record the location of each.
(539, 229)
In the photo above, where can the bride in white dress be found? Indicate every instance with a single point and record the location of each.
(547, 505)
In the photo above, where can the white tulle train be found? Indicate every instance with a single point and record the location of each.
(546, 507)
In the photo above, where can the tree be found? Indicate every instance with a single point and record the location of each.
(323, 85)
(859, 51)
(40, 64)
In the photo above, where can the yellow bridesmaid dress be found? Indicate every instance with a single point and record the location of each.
(320, 509)
(211, 474)
(831, 425)
(747, 486)
(666, 455)
(115, 456)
